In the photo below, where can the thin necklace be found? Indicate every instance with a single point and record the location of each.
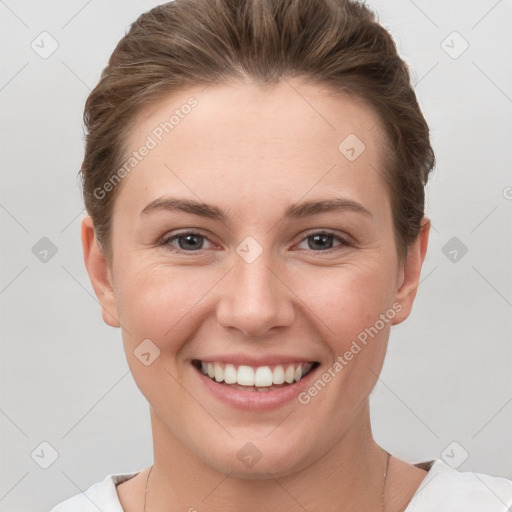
(384, 484)
(381, 497)
(147, 481)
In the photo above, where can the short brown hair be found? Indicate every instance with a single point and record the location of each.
(184, 43)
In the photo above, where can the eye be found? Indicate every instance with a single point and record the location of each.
(188, 241)
(192, 241)
(321, 241)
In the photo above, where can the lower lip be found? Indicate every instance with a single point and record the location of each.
(254, 400)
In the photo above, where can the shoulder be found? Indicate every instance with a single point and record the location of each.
(99, 496)
(445, 489)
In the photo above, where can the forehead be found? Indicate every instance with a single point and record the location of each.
(303, 110)
(237, 140)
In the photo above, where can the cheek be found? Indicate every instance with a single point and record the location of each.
(160, 304)
(346, 300)
(157, 300)
(167, 304)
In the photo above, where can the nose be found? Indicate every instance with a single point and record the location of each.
(255, 298)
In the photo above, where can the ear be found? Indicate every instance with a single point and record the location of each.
(409, 275)
(99, 273)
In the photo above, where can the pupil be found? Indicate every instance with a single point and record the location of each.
(191, 237)
(322, 236)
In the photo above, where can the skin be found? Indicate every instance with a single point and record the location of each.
(273, 147)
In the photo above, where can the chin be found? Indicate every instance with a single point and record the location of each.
(257, 461)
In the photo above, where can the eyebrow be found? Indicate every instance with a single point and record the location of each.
(294, 211)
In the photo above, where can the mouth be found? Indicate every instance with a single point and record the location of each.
(249, 378)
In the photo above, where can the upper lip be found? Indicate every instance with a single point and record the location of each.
(245, 360)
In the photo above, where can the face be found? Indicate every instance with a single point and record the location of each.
(286, 270)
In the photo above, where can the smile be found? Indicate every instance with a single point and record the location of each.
(260, 378)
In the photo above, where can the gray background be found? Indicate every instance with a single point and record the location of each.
(445, 390)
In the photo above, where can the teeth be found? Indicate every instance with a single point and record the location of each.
(217, 372)
(230, 374)
(263, 377)
(245, 376)
(289, 375)
(278, 375)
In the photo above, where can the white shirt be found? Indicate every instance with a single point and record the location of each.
(444, 489)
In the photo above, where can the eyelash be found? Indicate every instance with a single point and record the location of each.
(166, 241)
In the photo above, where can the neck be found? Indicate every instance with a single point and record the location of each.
(349, 476)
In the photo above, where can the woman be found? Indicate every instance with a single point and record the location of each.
(254, 179)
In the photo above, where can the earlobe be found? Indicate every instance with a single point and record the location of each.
(409, 277)
(99, 273)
